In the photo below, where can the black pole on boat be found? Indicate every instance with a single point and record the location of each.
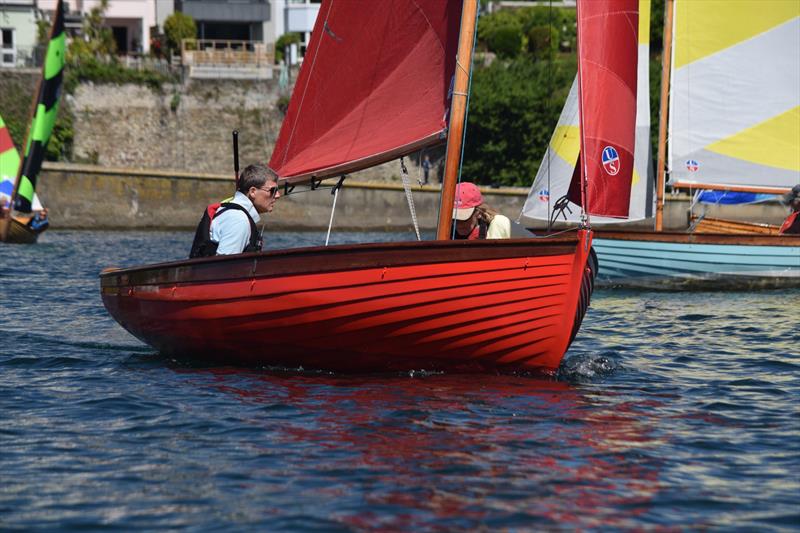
(236, 157)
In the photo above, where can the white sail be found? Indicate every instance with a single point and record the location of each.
(734, 118)
(555, 173)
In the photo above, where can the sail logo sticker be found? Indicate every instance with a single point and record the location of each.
(544, 195)
(611, 160)
(692, 165)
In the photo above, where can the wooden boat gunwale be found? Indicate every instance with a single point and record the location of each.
(309, 260)
(732, 239)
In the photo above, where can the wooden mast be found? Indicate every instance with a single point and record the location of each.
(666, 66)
(458, 110)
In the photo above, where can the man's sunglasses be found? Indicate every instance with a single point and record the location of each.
(272, 190)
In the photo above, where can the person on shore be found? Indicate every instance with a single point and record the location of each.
(476, 220)
(426, 169)
(230, 227)
(791, 226)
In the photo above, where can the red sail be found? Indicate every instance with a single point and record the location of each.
(607, 60)
(373, 86)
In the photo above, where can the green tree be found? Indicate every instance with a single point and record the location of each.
(283, 41)
(514, 107)
(177, 27)
(501, 33)
(98, 40)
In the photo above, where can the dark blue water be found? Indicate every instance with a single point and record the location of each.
(672, 411)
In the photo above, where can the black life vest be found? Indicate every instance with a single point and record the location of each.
(203, 246)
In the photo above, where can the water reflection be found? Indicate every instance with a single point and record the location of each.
(454, 451)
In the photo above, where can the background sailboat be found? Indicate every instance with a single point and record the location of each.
(558, 165)
(376, 84)
(23, 199)
(734, 126)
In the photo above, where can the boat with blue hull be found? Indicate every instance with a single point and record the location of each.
(754, 150)
(680, 261)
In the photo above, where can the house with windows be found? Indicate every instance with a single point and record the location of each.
(130, 21)
(229, 32)
(17, 32)
(251, 20)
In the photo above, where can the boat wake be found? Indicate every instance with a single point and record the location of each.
(587, 368)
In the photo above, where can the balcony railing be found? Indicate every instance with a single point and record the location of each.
(220, 53)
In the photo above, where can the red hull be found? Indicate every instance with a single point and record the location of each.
(504, 304)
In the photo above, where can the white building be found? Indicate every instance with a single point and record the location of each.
(130, 20)
(17, 31)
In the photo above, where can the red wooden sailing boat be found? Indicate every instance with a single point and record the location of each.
(375, 85)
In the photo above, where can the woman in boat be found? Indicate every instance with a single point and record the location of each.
(791, 226)
(474, 218)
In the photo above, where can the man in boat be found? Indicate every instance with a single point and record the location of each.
(230, 227)
(476, 220)
(791, 226)
(39, 221)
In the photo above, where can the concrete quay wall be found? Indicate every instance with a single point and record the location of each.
(94, 197)
(91, 197)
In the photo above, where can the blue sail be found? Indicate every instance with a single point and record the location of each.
(733, 198)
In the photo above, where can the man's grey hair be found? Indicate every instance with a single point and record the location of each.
(254, 176)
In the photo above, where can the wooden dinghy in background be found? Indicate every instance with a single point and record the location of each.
(748, 141)
(444, 304)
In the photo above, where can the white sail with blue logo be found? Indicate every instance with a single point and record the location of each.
(734, 118)
(555, 173)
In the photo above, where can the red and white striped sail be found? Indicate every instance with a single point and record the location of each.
(607, 60)
(374, 85)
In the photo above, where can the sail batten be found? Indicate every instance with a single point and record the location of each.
(373, 86)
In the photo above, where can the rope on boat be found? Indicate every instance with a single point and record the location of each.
(407, 188)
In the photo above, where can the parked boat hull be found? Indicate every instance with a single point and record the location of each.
(465, 305)
(680, 261)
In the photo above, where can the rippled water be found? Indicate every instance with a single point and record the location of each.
(672, 411)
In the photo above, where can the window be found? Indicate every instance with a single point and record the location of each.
(8, 51)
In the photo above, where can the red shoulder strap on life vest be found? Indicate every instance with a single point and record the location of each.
(212, 210)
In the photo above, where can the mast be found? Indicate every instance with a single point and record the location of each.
(664, 111)
(458, 110)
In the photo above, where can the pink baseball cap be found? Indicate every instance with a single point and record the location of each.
(468, 197)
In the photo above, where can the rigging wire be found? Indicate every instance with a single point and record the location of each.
(547, 110)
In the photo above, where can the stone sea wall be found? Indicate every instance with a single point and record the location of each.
(185, 127)
(94, 197)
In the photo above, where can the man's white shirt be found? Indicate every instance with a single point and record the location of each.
(231, 229)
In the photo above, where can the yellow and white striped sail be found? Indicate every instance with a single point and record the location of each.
(555, 173)
(734, 118)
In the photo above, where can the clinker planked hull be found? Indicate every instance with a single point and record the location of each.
(680, 261)
(479, 305)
